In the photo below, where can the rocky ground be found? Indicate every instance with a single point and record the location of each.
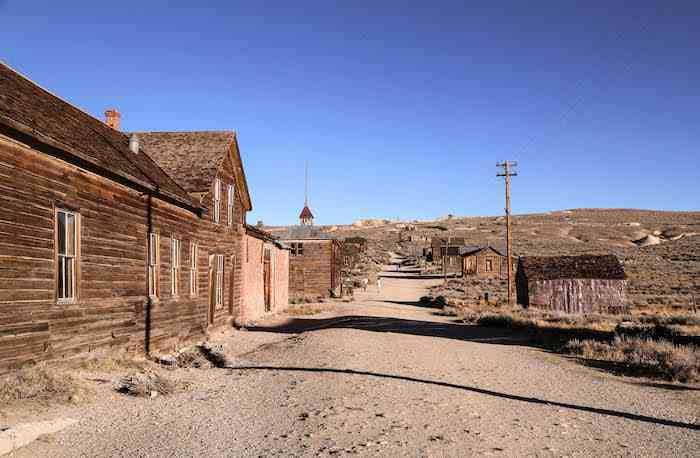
(383, 377)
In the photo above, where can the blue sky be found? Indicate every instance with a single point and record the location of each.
(402, 108)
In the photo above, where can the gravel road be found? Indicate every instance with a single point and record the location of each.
(382, 377)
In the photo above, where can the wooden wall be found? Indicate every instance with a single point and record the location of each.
(578, 295)
(112, 308)
(317, 271)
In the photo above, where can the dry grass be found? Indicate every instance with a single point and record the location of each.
(201, 356)
(303, 310)
(41, 383)
(145, 385)
(113, 362)
(643, 357)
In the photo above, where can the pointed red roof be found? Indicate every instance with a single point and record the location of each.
(306, 213)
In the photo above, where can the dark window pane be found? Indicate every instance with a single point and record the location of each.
(61, 228)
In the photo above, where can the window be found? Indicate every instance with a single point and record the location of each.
(67, 242)
(489, 265)
(229, 205)
(217, 200)
(194, 252)
(297, 249)
(175, 267)
(153, 264)
(219, 281)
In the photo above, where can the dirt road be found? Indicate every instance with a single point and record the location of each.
(383, 377)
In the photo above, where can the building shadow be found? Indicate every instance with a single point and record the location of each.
(482, 391)
(399, 326)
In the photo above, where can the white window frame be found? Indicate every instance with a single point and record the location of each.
(153, 263)
(217, 200)
(219, 281)
(174, 267)
(229, 204)
(67, 259)
(488, 264)
(194, 254)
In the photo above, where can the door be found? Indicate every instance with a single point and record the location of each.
(267, 280)
(212, 289)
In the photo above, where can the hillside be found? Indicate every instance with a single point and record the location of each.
(659, 249)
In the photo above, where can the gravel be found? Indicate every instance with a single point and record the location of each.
(381, 377)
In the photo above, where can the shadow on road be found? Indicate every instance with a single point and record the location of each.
(512, 397)
(398, 325)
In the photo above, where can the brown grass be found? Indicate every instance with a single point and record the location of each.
(656, 358)
(303, 310)
(41, 383)
(145, 385)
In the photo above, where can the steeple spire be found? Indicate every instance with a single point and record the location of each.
(306, 217)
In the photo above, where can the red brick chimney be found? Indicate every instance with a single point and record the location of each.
(112, 118)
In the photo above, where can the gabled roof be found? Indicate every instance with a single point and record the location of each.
(605, 267)
(306, 213)
(194, 158)
(46, 122)
(452, 241)
(469, 250)
(304, 233)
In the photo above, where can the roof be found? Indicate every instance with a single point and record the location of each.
(306, 213)
(469, 250)
(194, 158)
(304, 233)
(606, 267)
(262, 235)
(43, 120)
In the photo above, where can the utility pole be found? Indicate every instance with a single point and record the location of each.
(444, 261)
(508, 171)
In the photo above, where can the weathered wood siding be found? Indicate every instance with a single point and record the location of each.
(254, 284)
(476, 264)
(578, 295)
(112, 307)
(317, 271)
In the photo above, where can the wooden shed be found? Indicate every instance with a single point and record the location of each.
(572, 284)
(483, 261)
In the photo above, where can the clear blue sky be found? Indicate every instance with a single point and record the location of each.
(402, 108)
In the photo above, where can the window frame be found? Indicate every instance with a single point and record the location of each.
(175, 265)
(219, 281)
(230, 202)
(297, 248)
(217, 200)
(61, 259)
(194, 263)
(153, 264)
(488, 264)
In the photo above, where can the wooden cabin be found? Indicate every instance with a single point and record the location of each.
(353, 247)
(572, 284)
(449, 246)
(483, 261)
(103, 246)
(315, 262)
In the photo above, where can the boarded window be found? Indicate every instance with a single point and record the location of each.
(297, 249)
(219, 281)
(67, 243)
(217, 200)
(229, 205)
(153, 263)
(194, 253)
(175, 267)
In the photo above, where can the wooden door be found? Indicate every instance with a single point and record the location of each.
(267, 280)
(212, 289)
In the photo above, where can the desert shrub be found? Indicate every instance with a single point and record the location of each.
(495, 320)
(303, 310)
(196, 357)
(657, 358)
(145, 385)
(41, 384)
(440, 302)
(425, 300)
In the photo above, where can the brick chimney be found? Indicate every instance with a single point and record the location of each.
(112, 118)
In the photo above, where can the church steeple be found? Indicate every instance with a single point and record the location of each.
(306, 217)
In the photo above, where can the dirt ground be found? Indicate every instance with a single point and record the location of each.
(384, 377)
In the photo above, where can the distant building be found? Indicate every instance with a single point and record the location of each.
(449, 247)
(352, 248)
(483, 261)
(572, 284)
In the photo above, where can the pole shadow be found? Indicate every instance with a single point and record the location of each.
(512, 397)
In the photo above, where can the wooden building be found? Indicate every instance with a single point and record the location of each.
(353, 247)
(315, 262)
(483, 261)
(450, 245)
(103, 246)
(266, 276)
(572, 284)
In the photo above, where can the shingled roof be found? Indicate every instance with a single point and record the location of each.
(194, 158)
(36, 117)
(605, 267)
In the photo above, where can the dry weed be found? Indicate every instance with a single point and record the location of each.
(41, 383)
(145, 385)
